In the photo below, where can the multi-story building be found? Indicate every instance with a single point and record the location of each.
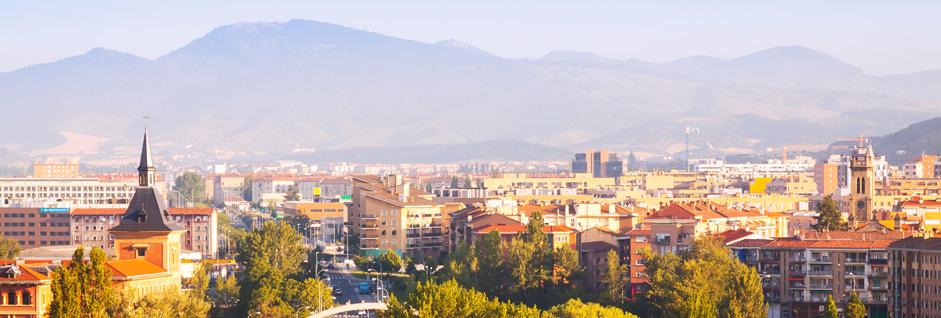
(326, 219)
(91, 228)
(922, 167)
(389, 214)
(827, 178)
(631, 247)
(797, 184)
(271, 190)
(600, 164)
(67, 169)
(228, 190)
(915, 277)
(675, 227)
(36, 227)
(65, 192)
(797, 274)
(773, 167)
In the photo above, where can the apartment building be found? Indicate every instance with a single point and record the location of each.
(326, 219)
(36, 227)
(91, 227)
(631, 247)
(600, 164)
(67, 169)
(800, 184)
(271, 190)
(228, 190)
(65, 192)
(915, 278)
(675, 227)
(798, 274)
(389, 214)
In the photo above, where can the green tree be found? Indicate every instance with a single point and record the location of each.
(166, 303)
(83, 289)
(292, 194)
(828, 216)
(226, 296)
(746, 298)
(575, 308)
(390, 261)
(855, 307)
(191, 186)
(9, 248)
(247, 189)
(614, 278)
(831, 311)
(696, 283)
(272, 259)
(200, 281)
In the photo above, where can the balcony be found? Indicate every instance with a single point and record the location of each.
(879, 274)
(820, 259)
(797, 285)
(796, 258)
(662, 240)
(878, 261)
(796, 272)
(820, 273)
(852, 260)
(822, 286)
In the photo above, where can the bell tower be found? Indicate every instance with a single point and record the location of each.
(145, 230)
(862, 182)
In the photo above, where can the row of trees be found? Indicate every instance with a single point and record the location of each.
(83, 289)
(525, 269)
(273, 283)
(448, 299)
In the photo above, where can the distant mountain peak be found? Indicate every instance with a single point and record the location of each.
(577, 56)
(461, 45)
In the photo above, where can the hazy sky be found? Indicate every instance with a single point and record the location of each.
(881, 37)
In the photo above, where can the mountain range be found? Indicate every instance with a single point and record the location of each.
(262, 89)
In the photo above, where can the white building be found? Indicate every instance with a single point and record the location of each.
(271, 189)
(67, 192)
(773, 167)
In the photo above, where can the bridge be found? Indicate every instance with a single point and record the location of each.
(348, 308)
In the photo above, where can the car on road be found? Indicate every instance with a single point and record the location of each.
(362, 314)
(364, 288)
(337, 291)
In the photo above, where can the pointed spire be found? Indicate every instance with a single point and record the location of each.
(146, 171)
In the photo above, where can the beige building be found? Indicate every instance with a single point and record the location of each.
(68, 169)
(389, 214)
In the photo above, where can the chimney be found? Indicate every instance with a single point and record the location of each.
(405, 192)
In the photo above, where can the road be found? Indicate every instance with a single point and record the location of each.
(340, 278)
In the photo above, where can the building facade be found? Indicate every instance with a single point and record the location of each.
(36, 227)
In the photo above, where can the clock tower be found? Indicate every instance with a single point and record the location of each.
(862, 183)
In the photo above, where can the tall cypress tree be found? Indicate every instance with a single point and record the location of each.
(855, 307)
(831, 311)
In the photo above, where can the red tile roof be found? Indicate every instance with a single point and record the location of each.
(557, 229)
(595, 246)
(190, 211)
(733, 235)
(501, 229)
(26, 275)
(97, 211)
(129, 268)
(789, 243)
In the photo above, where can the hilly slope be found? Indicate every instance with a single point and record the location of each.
(910, 142)
(253, 89)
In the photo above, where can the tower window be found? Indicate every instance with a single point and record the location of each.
(140, 251)
(141, 217)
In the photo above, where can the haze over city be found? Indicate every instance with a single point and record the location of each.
(622, 159)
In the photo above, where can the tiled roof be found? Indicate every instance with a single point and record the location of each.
(133, 267)
(190, 211)
(557, 228)
(492, 219)
(501, 229)
(919, 202)
(702, 209)
(789, 243)
(732, 235)
(849, 235)
(25, 275)
(97, 212)
(917, 243)
(595, 246)
(639, 232)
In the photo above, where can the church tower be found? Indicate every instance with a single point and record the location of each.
(145, 230)
(862, 183)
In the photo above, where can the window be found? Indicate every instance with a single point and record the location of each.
(11, 298)
(27, 299)
(141, 251)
